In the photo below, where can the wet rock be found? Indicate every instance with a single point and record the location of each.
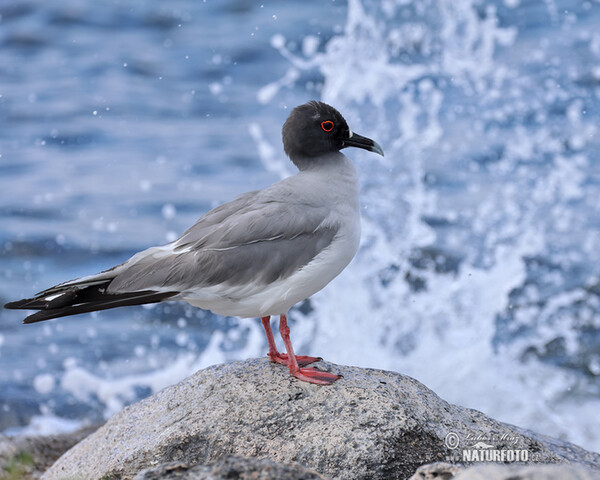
(370, 424)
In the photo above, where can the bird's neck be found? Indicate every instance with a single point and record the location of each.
(328, 161)
(333, 175)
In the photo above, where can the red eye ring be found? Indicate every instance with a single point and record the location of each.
(327, 125)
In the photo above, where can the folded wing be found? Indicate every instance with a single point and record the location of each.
(241, 242)
(251, 240)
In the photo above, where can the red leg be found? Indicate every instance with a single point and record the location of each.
(282, 358)
(310, 375)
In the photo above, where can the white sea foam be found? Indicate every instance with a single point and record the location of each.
(115, 393)
(46, 424)
(44, 383)
(516, 208)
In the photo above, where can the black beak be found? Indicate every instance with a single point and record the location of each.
(356, 140)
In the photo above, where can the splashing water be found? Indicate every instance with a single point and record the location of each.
(477, 269)
(480, 235)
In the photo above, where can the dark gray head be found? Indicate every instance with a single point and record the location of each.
(314, 129)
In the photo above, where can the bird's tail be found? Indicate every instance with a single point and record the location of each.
(84, 295)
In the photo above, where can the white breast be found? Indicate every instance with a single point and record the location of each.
(335, 185)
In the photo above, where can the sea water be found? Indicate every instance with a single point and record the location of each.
(124, 121)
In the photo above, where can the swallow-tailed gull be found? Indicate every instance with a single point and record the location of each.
(255, 256)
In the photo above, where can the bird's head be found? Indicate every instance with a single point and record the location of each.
(315, 129)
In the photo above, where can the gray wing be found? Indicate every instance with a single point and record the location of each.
(251, 239)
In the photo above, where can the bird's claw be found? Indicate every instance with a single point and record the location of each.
(302, 360)
(312, 375)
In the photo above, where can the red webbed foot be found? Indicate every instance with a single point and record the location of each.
(292, 361)
(312, 375)
(302, 360)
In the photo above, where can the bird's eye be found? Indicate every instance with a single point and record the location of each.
(327, 125)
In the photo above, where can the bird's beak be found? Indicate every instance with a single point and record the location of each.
(356, 140)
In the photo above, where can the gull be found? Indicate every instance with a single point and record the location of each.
(256, 256)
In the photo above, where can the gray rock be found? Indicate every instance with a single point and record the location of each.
(370, 424)
(228, 467)
(27, 457)
(437, 471)
(527, 472)
(447, 471)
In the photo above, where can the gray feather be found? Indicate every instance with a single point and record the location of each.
(229, 242)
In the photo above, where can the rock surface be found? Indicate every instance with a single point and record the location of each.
(28, 457)
(370, 424)
(229, 467)
(437, 471)
(446, 471)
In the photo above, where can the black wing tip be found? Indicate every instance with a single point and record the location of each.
(38, 317)
(27, 304)
(64, 309)
(24, 304)
(28, 320)
(18, 304)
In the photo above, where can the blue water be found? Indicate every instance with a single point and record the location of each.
(124, 121)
